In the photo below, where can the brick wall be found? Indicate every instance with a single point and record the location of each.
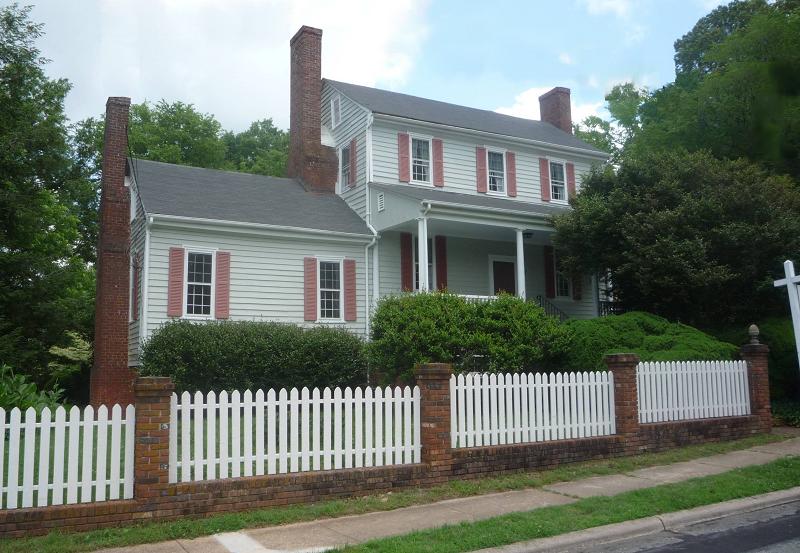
(156, 499)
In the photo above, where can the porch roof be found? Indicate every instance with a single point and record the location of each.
(473, 201)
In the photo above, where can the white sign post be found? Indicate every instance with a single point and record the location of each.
(792, 283)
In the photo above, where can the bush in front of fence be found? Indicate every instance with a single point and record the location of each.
(653, 338)
(506, 334)
(229, 355)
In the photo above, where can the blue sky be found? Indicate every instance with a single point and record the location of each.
(230, 58)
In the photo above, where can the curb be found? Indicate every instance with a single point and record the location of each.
(650, 525)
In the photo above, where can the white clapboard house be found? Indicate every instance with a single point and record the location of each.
(387, 193)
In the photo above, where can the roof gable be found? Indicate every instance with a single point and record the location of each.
(443, 113)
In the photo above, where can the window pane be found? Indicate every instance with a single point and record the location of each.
(557, 172)
(421, 149)
(345, 165)
(420, 160)
(199, 268)
(328, 275)
(330, 307)
(495, 161)
(198, 300)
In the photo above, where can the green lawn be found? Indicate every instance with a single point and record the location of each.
(596, 511)
(191, 528)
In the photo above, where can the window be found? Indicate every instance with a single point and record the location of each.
(420, 160)
(330, 290)
(199, 270)
(344, 162)
(497, 172)
(562, 280)
(557, 181)
(431, 284)
(336, 111)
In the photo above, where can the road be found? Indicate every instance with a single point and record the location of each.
(771, 530)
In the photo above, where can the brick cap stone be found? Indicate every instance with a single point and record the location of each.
(433, 370)
(305, 30)
(619, 358)
(554, 91)
(152, 383)
(754, 348)
(118, 100)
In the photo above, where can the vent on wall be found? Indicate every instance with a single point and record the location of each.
(381, 201)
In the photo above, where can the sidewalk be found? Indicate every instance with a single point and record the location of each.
(330, 533)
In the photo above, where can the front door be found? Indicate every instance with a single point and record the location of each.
(504, 277)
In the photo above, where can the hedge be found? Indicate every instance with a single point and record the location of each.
(507, 334)
(653, 338)
(253, 355)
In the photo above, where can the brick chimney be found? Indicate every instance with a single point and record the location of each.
(112, 379)
(316, 165)
(555, 108)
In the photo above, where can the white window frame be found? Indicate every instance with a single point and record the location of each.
(340, 262)
(429, 140)
(563, 164)
(336, 114)
(558, 273)
(432, 255)
(185, 300)
(502, 152)
(343, 185)
(504, 258)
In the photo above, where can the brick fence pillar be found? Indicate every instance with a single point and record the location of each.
(626, 400)
(151, 450)
(433, 380)
(757, 356)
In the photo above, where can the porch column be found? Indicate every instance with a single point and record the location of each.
(422, 253)
(520, 265)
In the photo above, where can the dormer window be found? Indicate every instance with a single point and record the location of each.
(497, 172)
(344, 163)
(558, 184)
(421, 160)
(336, 111)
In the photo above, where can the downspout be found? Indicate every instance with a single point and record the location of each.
(368, 219)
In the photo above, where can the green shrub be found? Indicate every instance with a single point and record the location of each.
(652, 338)
(778, 334)
(507, 334)
(786, 413)
(253, 355)
(17, 391)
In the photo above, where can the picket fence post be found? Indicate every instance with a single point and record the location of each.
(153, 396)
(433, 380)
(756, 355)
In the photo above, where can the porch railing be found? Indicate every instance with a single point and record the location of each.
(551, 309)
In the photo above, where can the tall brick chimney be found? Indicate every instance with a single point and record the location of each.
(555, 108)
(316, 165)
(112, 379)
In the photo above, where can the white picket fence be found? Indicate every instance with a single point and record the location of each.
(248, 434)
(86, 457)
(491, 409)
(682, 390)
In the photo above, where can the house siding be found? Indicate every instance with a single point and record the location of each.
(138, 232)
(353, 125)
(266, 273)
(460, 173)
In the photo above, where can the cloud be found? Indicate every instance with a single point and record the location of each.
(526, 104)
(620, 8)
(228, 58)
(565, 58)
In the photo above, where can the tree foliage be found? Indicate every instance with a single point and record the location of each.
(685, 235)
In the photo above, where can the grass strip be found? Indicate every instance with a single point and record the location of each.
(595, 511)
(57, 542)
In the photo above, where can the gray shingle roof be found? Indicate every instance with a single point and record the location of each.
(167, 189)
(480, 200)
(422, 109)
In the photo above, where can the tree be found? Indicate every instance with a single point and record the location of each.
(45, 287)
(261, 149)
(685, 235)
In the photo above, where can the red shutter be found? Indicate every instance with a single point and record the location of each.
(549, 272)
(544, 178)
(570, 181)
(440, 245)
(438, 162)
(137, 263)
(310, 288)
(403, 160)
(480, 169)
(175, 283)
(406, 263)
(511, 173)
(353, 162)
(222, 286)
(350, 309)
(577, 288)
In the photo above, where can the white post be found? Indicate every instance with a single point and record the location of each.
(791, 282)
(520, 265)
(422, 253)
